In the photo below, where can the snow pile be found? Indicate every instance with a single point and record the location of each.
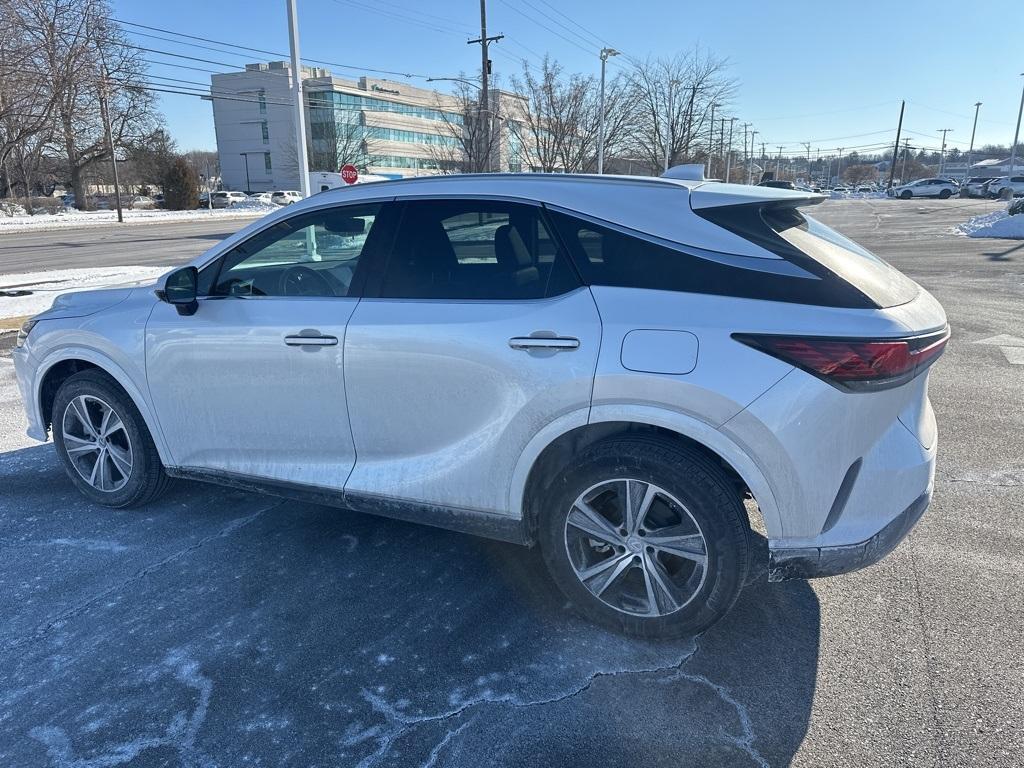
(857, 195)
(33, 292)
(42, 222)
(995, 224)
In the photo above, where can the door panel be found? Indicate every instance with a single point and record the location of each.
(236, 391)
(441, 403)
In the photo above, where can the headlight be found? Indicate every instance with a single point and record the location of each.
(26, 329)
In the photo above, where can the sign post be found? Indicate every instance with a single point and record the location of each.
(349, 174)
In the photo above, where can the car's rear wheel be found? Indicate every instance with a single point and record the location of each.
(647, 536)
(906, 194)
(104, 444)
(945, 194)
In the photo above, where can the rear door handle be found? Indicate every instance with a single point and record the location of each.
(542, 342)
(311, 341)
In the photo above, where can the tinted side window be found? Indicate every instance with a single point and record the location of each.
(606, 256)
(314, 254)
(464, 249)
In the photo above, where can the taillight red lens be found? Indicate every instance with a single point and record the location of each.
(854, 364)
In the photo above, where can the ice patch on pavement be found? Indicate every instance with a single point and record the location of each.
(42, 288)
(995, 224)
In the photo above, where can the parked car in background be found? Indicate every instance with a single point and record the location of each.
(777, 184)
(158, 200)
(974, 186)
(546, 359)
(941, 188)
(263, 198)
(285, 197)
(1006, 186)
(228, 199)
(865, 189)
(140, 203)
(842, 190)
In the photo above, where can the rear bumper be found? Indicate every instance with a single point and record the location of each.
(816, 562)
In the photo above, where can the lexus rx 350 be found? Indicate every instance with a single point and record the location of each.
(629, 373)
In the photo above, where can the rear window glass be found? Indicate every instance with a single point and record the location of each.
(875, 278)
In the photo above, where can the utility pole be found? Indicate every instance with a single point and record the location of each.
(839, 167)
(903, 170)
(711, 140)
(778, 163)
(808, 145)
(896, 146)
(484, 157)
(970, 152)
(721, 138)
(728, 154)
(689, 120)
(746, 156)
(605, 53)
(942, 151)
(750, 167)
(1016, 133)
(300, 107)
(668, 128)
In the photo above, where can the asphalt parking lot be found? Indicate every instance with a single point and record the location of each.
(218, 628)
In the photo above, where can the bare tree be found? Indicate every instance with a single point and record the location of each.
(88, 63)
(467, 141)
(674, 100)
(26, 97)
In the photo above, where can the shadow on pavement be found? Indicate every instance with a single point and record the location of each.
(218, 627)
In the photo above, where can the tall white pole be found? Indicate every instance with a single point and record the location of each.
(1016, 133)
(300, 109)
(728, 154)
(970, 152)
(668, 126)
(605, 53)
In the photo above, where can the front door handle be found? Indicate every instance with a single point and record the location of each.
(544, 342)
(311, 341)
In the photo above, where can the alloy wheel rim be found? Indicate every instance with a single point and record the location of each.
(636, 547)
(97, 443)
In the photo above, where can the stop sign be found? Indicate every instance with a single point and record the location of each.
(349, 174)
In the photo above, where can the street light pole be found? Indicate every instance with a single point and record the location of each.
(750, 165)
(300, 107)
(245, 157)
(711, 139)
(605, 53)
(778, 163)
(839, 167)
(668, 128)
(1016, 133)
(970, 152)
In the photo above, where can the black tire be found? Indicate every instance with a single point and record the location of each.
(945, 194)
(146, 479)
(709, 496)
(906, 194)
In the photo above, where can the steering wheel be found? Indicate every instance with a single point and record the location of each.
(304, 281)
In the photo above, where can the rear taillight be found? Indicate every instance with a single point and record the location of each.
(854, 365)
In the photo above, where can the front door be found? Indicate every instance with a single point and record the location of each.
(475, 336)
(252, 383)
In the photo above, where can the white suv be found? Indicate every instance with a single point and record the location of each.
(622, 371)
(228, 199)
(941, 188)
(1007, 186)
(285, 197)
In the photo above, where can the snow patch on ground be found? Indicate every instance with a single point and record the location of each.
(995, 224)
(41, 288)
(44, 222)
(857, 195)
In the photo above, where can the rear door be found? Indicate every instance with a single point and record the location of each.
(474, 336)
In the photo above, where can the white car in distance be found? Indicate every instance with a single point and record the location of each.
(285, 197)
(621, 371)
(940, 188)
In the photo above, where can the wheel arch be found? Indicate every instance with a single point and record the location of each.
(57, 367)
(549, 451)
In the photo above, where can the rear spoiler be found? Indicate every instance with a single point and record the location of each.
(719, 195)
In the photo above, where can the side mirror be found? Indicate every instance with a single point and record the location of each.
(181, 288)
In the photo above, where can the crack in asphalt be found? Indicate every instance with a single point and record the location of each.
(77, 610)
(930, 674)
(398, 724)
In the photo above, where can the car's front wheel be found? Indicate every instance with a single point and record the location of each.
(906, 194)
(647, 536)
(104, 444)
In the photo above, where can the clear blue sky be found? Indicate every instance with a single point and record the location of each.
(831, 73)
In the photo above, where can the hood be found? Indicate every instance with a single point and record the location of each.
(83, 303)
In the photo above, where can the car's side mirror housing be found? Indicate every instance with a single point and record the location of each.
(181, 289)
